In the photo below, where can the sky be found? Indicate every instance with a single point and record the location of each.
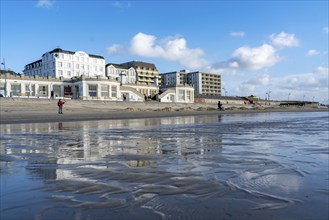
(269, 49)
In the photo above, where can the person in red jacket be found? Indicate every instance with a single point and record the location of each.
(60, 104)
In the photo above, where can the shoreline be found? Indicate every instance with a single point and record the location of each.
(18, 111)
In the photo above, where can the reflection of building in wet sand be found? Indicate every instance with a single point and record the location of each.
(131, 143)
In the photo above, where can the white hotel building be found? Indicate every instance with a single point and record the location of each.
(67, 64)
(79, 75)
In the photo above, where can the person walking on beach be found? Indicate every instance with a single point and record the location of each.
(60, 104)
(220, 106)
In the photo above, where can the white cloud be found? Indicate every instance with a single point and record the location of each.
(312, 84)
(233, 64)
(321, 70)
(121, 4)
(237, 34)
(115, 49)
(263, 80)
(246, 89)
(309, 86)
(326, 29)
(45, 3)
(251, 86)
(284, 40)
(173, 49)
(312, 52)
(318, 79)
(255, 58)
(259, 80)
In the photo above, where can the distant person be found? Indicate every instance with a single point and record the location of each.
(220, 106)
(60, 104)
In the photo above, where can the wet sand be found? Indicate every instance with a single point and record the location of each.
(15, 111)
(270, 165)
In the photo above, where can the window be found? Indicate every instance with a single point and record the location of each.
(60, 72)
(67, 90)
(68, 65)
(114, 91)
(181, 94)
(69, 73)
(92, 90)
(27, 90)
(32, 90)
(2, 89)
(104, 90)
(43, 90)
(188, 95)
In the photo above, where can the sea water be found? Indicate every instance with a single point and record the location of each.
(225, 166)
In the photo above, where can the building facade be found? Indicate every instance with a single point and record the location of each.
(66, 64)
(126, 75)
(96, 88)
(146, 73)
(177, 94)
(208, 84)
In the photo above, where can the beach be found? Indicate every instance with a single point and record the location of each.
(214, 165)
(18, 110)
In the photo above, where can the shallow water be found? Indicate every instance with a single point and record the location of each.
(233, 166)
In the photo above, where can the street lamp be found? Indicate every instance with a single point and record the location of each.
(289, 95)
(4, 64)
(225, 91)
(268, 95)
(303, 98)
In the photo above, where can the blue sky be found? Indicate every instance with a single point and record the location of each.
(258, 47)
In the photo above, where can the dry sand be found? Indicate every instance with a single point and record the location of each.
(18, 110)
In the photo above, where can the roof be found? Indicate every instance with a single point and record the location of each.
(117, 66)
(38, 61)
(137, 64)
(59, 50)
(8, 71)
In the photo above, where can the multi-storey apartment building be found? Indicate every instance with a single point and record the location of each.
(66, 64)
(126, 75)
(146, 73)
(204, 83)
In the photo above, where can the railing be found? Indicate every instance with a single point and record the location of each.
(134, 91)
(166, 92)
